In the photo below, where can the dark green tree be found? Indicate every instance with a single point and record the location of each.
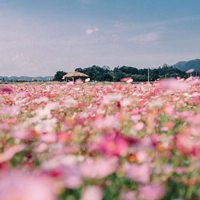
(97, 73)
(129, 70)
(59, 75)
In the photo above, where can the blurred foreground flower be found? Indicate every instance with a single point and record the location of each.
(113, 144)
(187, 144)
(100, 168)
(92, 193)
(151, 192)
(10, 152)
(138, 173)
(174, 85)
(17, 185)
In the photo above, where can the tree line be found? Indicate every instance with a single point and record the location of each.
(97, 73)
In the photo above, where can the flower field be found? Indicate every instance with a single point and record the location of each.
(100, 141)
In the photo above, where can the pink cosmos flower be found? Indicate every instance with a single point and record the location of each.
(23, 133)
(181, 170)
(139, 126)
(78, 81)
(48, 138)
(106, 122)
(92, 193)
(196, 98)
(117, 86)
(113, 144)
(70, 102)
(64, 168)
(72, 176)
(128, 195)
(114, 97)
(99, 168)
(151, 192)
(25, 186)
(10, 152)
(167, 126)
(174, 85)
(7, 90)
(170, 111)
(142, 156)
(139, 173)
(9, 110)
(187, 144)
(41, 147)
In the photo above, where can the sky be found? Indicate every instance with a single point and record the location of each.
(40, 37)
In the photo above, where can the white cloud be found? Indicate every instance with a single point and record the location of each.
(91, 31)
(147, 38)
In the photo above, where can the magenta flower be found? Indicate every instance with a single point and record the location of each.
(7, 90)
(187, 144)
(113, 144)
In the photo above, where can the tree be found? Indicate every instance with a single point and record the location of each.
(118, 74)
(59, 76)
(97, 73)
(107, 77)
(129, 70)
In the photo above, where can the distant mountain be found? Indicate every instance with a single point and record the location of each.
(24, 78)
(186, 65)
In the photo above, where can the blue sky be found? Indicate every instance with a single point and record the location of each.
(39, 37)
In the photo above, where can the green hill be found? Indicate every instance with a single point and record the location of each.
(186, 65)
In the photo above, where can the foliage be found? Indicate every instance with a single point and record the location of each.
(191, 64)
(59, 76)
(97, 73)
